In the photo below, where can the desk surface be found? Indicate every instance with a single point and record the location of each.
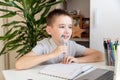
(32, 74)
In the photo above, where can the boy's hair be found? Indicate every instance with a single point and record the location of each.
(53, 14)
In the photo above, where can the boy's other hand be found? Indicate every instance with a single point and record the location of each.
(60, 50)
(69, 59)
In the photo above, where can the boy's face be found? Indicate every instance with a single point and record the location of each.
(62, 25)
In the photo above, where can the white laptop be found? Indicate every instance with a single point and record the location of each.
(98, 74)
(104, 74)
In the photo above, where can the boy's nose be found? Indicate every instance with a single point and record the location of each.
(66, 30)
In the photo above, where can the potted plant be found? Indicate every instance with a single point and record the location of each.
(23, 35)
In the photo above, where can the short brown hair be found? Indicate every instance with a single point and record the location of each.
(56, 12)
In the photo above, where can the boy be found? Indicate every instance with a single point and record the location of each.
(58, 48)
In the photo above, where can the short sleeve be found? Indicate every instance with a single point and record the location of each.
(80, 50)
(38, 49)
(75, 49)
(43, 47)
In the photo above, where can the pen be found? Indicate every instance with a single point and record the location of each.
(110, 61)
(112, 53)
(62, 39)
(106, 52)
(105, 45)
(83, 72)
(63, 43)
(116, 44)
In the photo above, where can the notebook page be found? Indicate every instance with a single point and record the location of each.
(66, 71)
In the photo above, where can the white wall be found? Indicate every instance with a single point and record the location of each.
(107, 22)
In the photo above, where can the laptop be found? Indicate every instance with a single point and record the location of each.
(98, 74)
(104, 74)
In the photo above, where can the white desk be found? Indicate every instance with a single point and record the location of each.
(32, 74)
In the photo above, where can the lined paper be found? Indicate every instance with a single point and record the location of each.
(65, 71)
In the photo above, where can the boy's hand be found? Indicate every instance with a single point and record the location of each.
(60, 50)
(68, 60)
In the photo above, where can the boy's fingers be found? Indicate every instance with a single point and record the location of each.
(67, 60)
(71, 61)
(64, 60)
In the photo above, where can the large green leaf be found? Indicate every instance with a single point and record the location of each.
(12, 23)
(5, 4)
(5, 10)
(16, 6)
(10, 14)
(9, 35)
(14, 47)
(8, 0)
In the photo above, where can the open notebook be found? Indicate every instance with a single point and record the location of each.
(65, 71)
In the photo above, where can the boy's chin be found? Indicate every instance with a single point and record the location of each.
(66, 40)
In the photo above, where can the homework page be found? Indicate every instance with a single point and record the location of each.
(66, 71)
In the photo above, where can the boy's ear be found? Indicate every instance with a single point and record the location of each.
(48, 30)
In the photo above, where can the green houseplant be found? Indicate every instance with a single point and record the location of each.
(23, 35)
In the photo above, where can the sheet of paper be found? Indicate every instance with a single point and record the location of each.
(67, 71)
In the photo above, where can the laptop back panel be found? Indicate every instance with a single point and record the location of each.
(95, 75)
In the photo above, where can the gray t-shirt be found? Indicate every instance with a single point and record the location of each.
(47, 45)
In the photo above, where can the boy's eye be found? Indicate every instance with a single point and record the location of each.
(61, 26)
(70, 27)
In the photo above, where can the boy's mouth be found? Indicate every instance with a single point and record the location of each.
(65, 36)
(64, 39)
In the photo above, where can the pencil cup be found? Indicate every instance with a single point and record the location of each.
(109, 58)
(110, 51)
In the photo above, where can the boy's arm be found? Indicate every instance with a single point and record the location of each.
(30, 59)
(91, 55)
